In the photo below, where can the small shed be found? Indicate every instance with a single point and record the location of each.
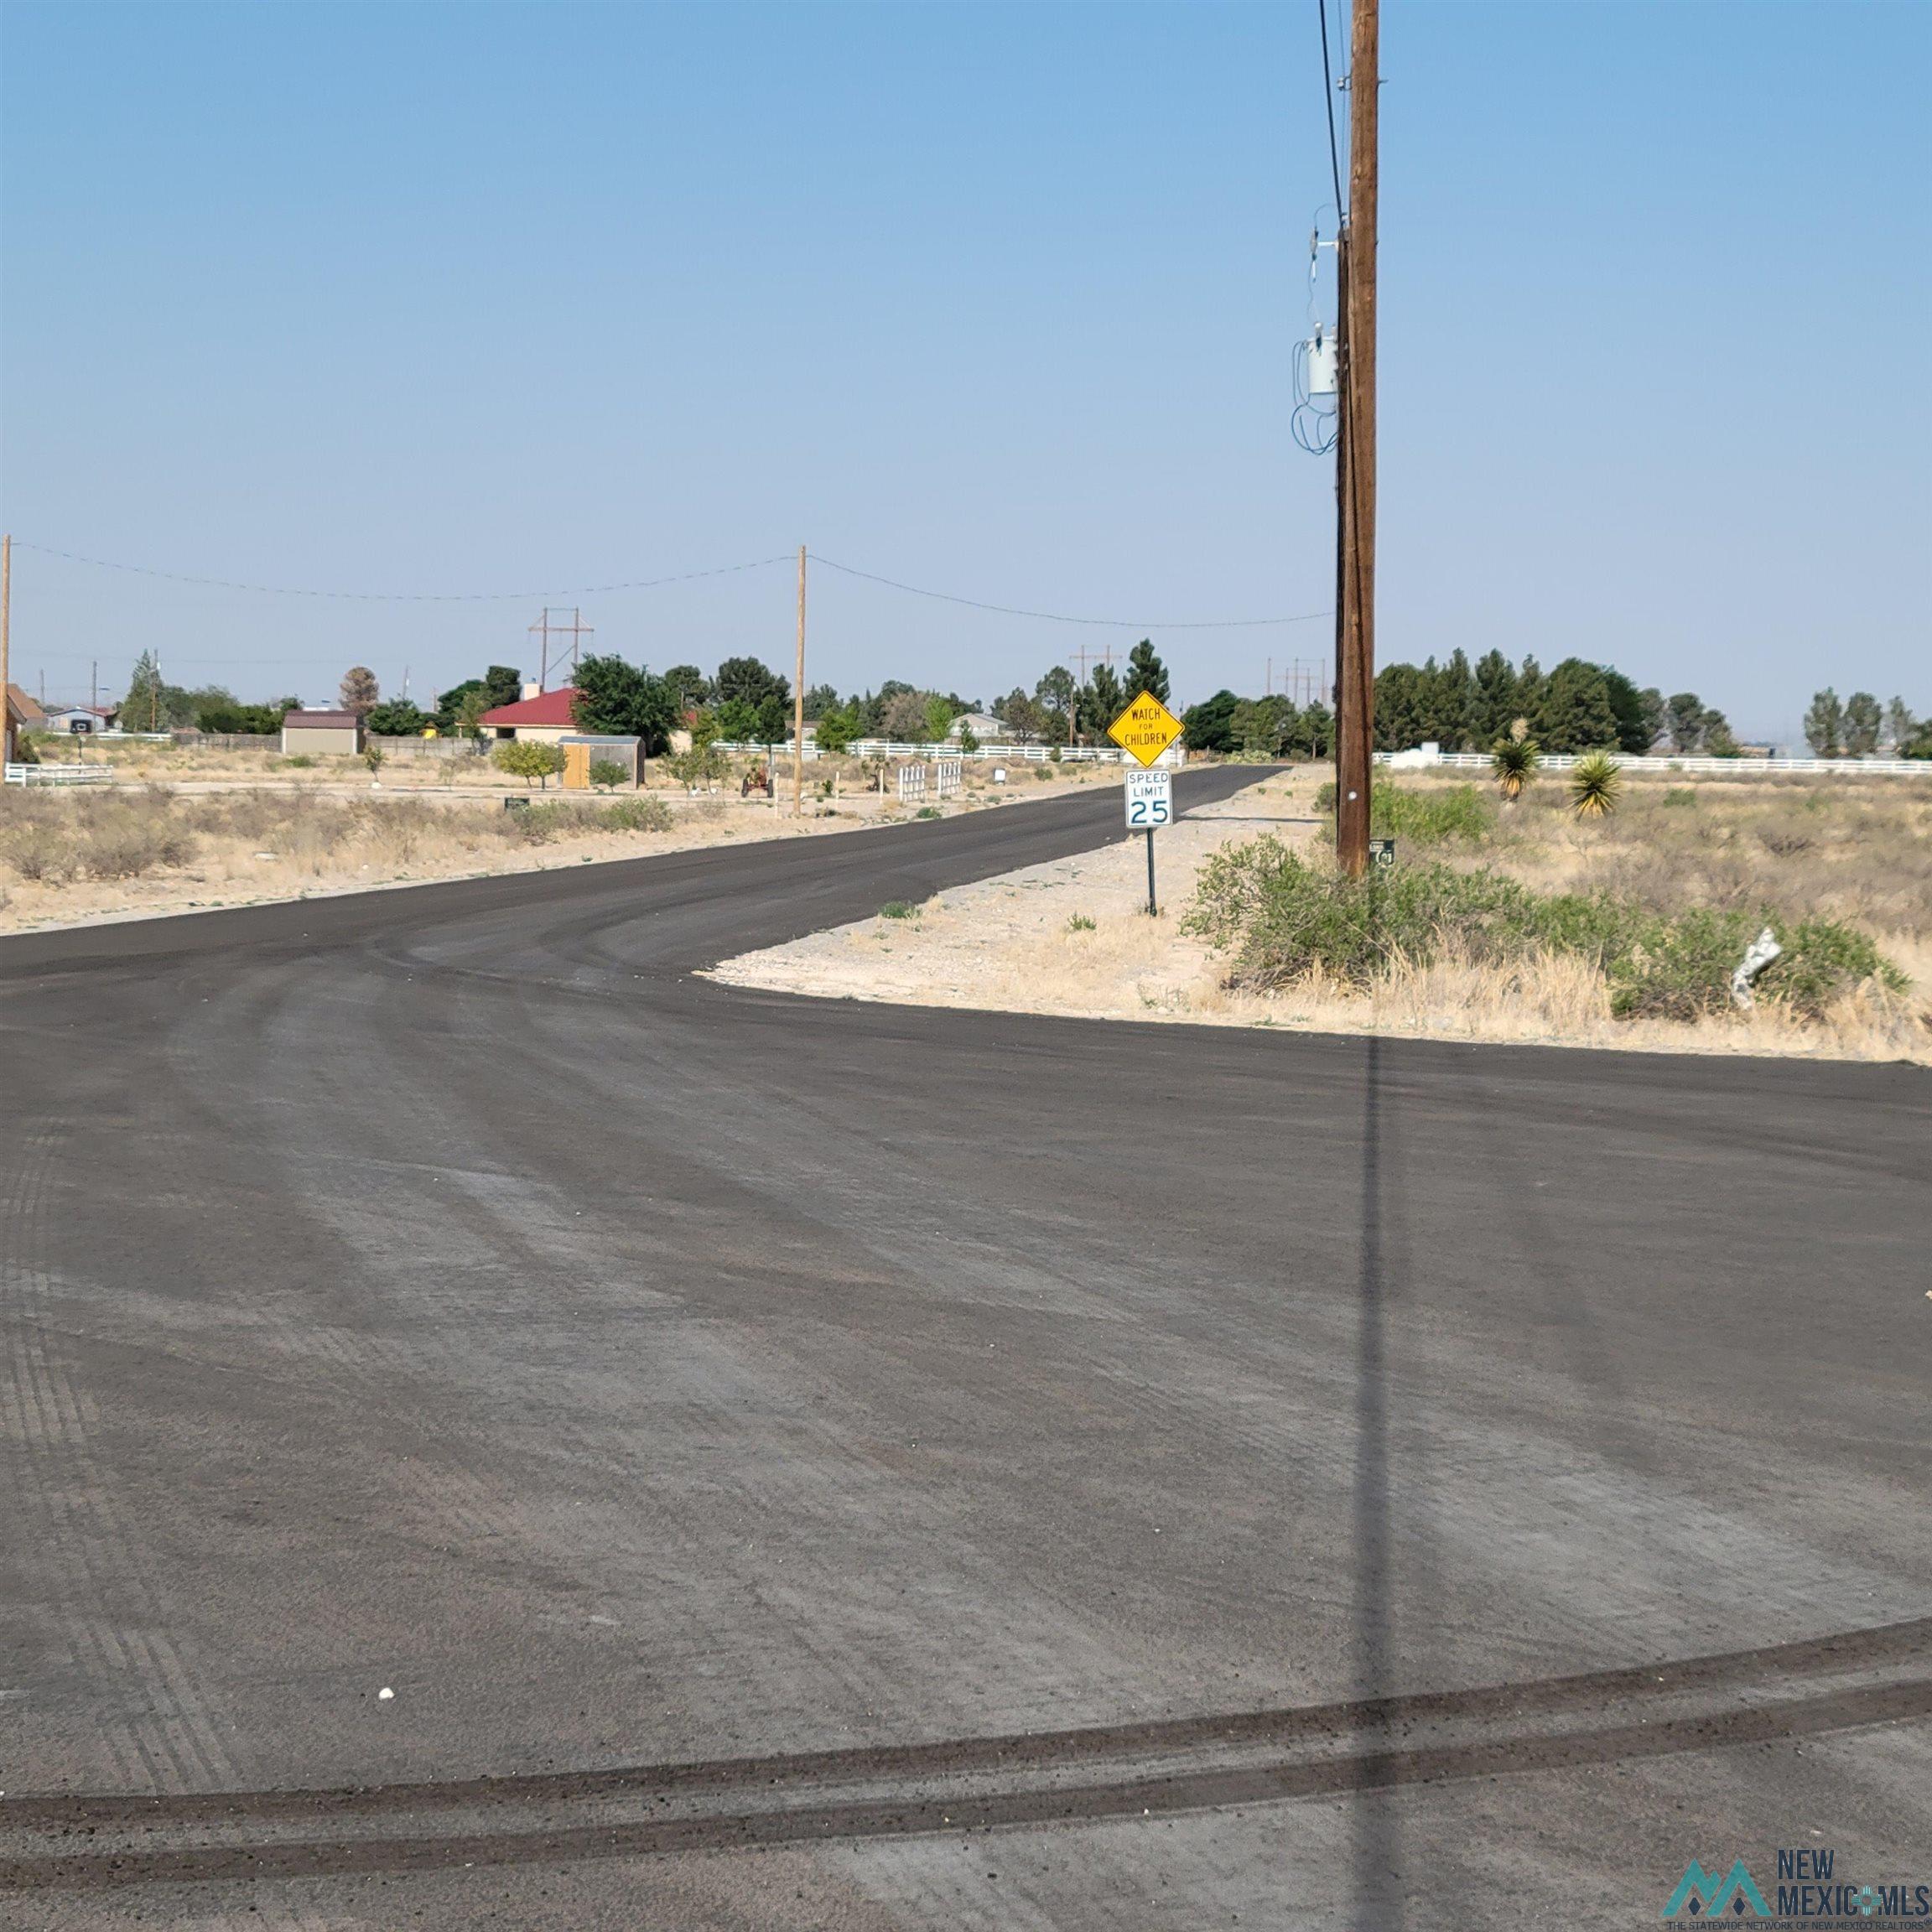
(321, 731)
(583, 748)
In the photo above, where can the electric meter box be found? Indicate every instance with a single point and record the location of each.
(1321, 366)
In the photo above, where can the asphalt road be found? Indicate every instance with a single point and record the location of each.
(807, 1464)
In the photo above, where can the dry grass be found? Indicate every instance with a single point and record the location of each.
(1011, 944)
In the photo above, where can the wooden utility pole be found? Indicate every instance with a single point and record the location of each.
(799, 702)
(1355, 457)
(6, 642)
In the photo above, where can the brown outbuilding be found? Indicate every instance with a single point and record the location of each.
(323, 732)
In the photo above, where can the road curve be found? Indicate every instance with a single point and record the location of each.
(805, 1463)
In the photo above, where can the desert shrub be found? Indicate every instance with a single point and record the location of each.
(1080, 923)
(928, 812)
(898, 909)
(1041, 771)
(606, 774)
(295, 761)
(1676, 795)
(638, 813)
(1436, 816)
(1281, 918)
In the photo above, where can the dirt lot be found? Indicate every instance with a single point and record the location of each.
(211, 834)
(1074, 937)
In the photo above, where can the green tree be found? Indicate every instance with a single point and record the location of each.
(529, 758)
(819, 698)
(968, 739)
(606, 774)
(1451, 703)
(1145, 672)
(690, 686)
(1864, 717)
(151, 704)
(1686, 722)
(1102, 701)
(838, 728)
(940, 711)
(502, 684)
(747, 679)
(1825, 723)
(1573, 714)
(1900, 725)
(1529, 684)
(1401, 699)
(397, 718)
(360, 692)
(624, 700)
(1656, 714)
(469, 710)
(736, 719)
(1210, 725)
(1634, 733)
(1493, 709)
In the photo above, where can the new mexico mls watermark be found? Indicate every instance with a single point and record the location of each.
(1812, 1894)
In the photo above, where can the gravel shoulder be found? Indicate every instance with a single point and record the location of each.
(1074, 939)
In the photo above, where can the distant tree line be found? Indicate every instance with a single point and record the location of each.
(1859, 727)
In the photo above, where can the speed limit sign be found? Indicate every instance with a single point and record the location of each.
(1149, 800)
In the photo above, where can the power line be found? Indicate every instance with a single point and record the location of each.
(404, 597)
(1060, 617)
(1328, 101)
(655, 583)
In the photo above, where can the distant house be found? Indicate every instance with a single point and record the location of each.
(80, 719)
(987, 730)
(542, 715)
(311, 732)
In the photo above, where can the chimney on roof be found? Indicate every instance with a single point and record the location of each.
(531, 688)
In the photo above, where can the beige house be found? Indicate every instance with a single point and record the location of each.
(542, 715)
(321, 732)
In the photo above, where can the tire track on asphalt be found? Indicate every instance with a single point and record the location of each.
(1850, 1680)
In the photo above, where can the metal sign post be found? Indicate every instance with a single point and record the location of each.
(1150, 803)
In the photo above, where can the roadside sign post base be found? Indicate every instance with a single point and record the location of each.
(1153, 910)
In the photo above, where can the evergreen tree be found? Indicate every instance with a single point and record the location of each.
(1686, 724)
(1104, 701)
(1400, 707)
(1145, 672)
(1451, 704)
(1573, 714)
(1493, 709)
(1633, 732)
(1825, 723)
(1656, 714)
(1863, 720)
(1210, 725)
(1529, 683)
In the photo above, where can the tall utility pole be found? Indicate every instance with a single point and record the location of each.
(576, 631)
(799, 702)
(5, 642)
(1083, 654)
(1355, 457)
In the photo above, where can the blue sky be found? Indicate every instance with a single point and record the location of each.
(997, 299)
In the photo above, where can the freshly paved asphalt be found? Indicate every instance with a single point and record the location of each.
(1041, 1473)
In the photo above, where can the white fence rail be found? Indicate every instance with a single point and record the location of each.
(59, 775)
(994, 754)
(1656, 767)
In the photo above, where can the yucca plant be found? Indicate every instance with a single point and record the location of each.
(1515, 762)
(1596, 784)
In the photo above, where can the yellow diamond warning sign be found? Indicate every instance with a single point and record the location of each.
(1147, 728)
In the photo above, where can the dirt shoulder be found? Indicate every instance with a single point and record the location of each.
(87, 857)
(1074, 939)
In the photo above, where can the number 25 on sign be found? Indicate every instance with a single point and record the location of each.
(1145, 728)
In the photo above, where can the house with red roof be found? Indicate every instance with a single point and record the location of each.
(542, 715)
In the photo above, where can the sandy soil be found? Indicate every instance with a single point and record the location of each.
(1016, 944)
(390, 844)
